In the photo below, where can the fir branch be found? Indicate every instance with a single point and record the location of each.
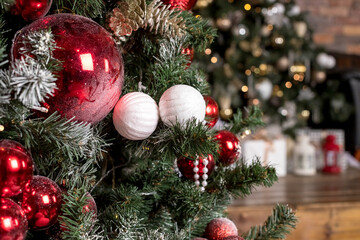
(252, 120)
(91, 9)
(75, 221)
(3, 44)
(241, 180)
(276, 226)
(28, 81)
(199, 32)
(6, 4)
(191, 139)
(41, 45)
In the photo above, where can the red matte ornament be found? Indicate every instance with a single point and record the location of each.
(31, 10)
(13, 223)
(229, 147)
(92, 75)
(182, 4)
(16, 168)
(211, 111)
(220, 228)
(189, 52)
(331, 155)
(41, 202)
(186, 166)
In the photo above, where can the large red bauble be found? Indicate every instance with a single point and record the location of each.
(31, 10)
(220, 228)
(186, 166)
(211, 111)
(229, 151)
(182, 4)
(13, 223)
(16, 168)
(41, 202)
(92, 75)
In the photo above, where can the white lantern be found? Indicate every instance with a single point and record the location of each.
(136, 116)
(304, 157)
(181, 103)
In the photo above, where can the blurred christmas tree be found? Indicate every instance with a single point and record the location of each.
(264, 55)
(146, 166)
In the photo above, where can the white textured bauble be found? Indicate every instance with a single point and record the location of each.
(136, 116)
(181, 103)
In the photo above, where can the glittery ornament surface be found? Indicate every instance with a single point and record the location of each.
(211, 111)
(41, 202)
(16, 168)
(186, 166)
(220, 228)
(182, 4)
(13, 223)
(31, 10)
(90, 82)
(229, 147)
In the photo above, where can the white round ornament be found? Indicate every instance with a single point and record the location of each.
(181, 103)
(136, 116)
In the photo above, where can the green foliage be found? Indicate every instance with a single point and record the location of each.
(6, 4)
(92, 9)
(276, 226)
(252, 120)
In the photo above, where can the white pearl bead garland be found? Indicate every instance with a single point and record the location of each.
(204, 176)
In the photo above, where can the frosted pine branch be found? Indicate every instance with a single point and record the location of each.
(30, 82)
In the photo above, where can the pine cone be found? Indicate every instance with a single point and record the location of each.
(118, 23)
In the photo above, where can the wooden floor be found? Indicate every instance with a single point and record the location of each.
(328, 206)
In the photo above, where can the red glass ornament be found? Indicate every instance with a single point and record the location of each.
(186, 166)
(41, 202)
(229, 147)
(16, 168)
(92, 75)
(182, 4)
(13, 223)
(331, 155)
(31, 10)
(233, 238)
(189, 52)
(211, 111)
(220, 228)
(90, 205)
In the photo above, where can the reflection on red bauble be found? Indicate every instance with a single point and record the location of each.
(211, 111)
(13, 223)
(90, 205)
(186, 166)
(16, 168)
(189, 53)
(41, 202)
(182, 4)
(220, 228)
(92, 75)
(229, 147)
(31, 10)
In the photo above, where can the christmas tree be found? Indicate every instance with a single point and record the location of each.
(265, 56)
(78, 163)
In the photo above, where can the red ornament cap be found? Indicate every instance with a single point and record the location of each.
(186, 166)
(16, 168)
(220, 228)
(90, 81)
(41, 202)
(13, 223)
(182, 4)
(230, 149)
(31, 10)
(211, 111)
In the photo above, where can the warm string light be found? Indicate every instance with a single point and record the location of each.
(2, 128)
(208, 51)
(247, 7)
(214, 60)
